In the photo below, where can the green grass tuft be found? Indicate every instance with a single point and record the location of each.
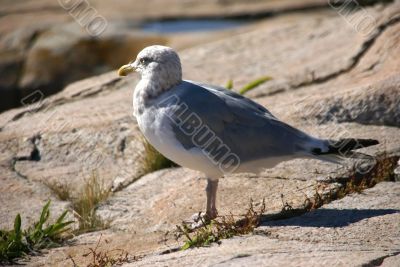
(229, 85)
(254, 84)
(17, 243)
(250, 85)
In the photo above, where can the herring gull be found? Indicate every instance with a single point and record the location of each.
(214, 130)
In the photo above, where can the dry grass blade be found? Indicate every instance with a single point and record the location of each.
(84, 206)
(352, 182)
(153, 160)
(221, 228)
(62, 191)
(356, 182)
(106, 258)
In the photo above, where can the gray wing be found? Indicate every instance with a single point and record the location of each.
(247, 128)
(231, 96)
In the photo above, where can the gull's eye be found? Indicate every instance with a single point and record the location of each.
(144, 60)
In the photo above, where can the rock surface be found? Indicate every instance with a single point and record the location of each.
(47, 44)
(358, 230)
(328, 80)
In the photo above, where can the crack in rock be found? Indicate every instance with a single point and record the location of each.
(122, 145)
(354, 181)
(34, 155)
(378, 261)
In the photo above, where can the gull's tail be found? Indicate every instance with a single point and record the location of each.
(337, 151)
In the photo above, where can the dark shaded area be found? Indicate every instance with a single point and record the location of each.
(373, 2)
(379, 261)
(327, 217)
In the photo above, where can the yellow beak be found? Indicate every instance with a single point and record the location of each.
(125, 70)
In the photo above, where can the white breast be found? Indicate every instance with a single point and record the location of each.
(156, 127)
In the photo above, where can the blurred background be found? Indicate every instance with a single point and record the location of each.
(47, 44)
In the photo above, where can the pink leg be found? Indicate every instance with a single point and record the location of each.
(211, 191)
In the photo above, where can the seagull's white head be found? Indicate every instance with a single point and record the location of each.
(158, 65)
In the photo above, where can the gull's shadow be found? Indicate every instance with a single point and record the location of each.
(324, 217)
